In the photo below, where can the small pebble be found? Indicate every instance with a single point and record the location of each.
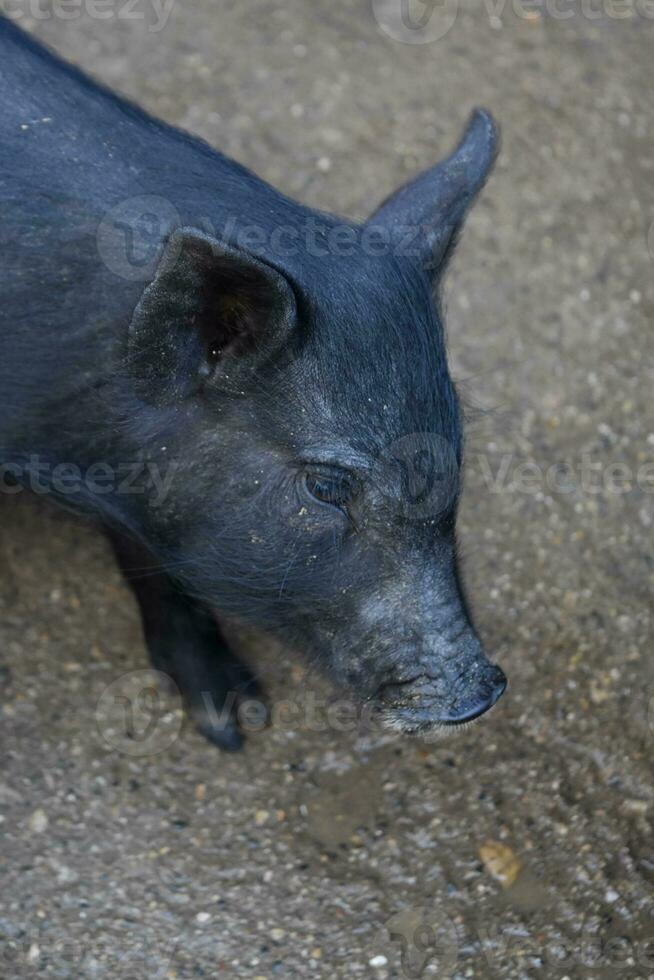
(38, 822)
(378, 961)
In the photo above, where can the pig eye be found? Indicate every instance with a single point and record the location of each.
(330, 488)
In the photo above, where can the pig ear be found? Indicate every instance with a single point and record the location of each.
(425, 216)
(210, 311)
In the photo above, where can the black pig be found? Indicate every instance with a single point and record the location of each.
(252, 397)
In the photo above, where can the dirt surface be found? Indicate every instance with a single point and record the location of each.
(319, 852)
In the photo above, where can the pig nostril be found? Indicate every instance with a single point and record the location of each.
(494, 689)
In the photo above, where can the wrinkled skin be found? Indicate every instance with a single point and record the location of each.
(296, 401)
(373, 593)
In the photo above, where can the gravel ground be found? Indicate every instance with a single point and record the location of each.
(524, 848)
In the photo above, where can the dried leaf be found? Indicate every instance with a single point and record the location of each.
(500, 862)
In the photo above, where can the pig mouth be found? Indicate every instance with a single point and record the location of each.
(435, 729)
(415, 706)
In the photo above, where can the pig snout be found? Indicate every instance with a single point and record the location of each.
(441, 697)
(422, 683)
(418, 659)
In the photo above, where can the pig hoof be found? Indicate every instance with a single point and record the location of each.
(166, 683)
(220, 709)
(227, 737)
(215, 684)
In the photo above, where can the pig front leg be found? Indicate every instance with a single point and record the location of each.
(185, 642)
